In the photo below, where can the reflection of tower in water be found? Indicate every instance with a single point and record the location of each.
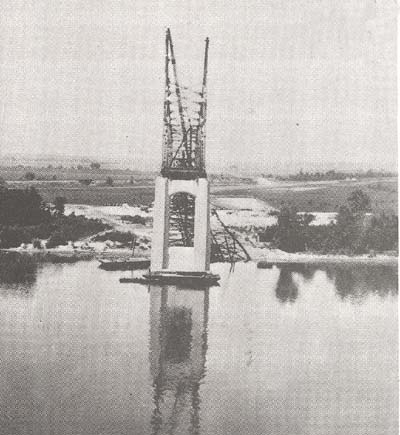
(286, 289)
(178, 345)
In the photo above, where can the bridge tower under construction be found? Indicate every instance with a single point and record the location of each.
(181, 223)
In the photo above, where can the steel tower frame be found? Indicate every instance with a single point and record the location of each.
(184, 136)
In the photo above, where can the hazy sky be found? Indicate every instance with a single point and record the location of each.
(289, 80)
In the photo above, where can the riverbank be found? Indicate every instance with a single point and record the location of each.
(271, 256)
(56, 255)
(315, 259)
(51, 255)
(243, 215)
(263, 257)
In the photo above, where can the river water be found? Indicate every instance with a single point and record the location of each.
(290, 350)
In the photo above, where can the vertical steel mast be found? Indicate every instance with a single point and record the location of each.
(167, 134)
(203, 113)
(177, 87)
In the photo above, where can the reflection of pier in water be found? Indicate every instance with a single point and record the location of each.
(178, 345)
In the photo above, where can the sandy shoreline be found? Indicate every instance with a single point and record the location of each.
(275, 256)
(328, 259)
(263, 259)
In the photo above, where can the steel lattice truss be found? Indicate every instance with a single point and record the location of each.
(181, 231)
(225, 244)
(184, 120)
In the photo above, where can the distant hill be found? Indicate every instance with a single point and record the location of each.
(69, 161)
(150, 163)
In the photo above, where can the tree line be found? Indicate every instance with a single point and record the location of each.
(334, 175)
(355, 231)
(26, 218)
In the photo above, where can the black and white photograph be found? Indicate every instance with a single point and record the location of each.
(199, 217)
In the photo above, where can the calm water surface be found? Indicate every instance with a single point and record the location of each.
(291, 350)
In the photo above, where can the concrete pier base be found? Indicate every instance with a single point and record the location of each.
(196, 258)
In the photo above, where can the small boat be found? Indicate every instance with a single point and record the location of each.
(131, 263)
(187, 279)
(133, 279)
(264, 264)
(127, 263)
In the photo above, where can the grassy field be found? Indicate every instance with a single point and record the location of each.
(120, 176)
(94, 195)
(326, 198)
(305, 197)
(131, 187)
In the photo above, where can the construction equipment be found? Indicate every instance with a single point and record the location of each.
(226, 246)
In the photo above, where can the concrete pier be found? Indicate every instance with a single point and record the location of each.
(164, 257)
